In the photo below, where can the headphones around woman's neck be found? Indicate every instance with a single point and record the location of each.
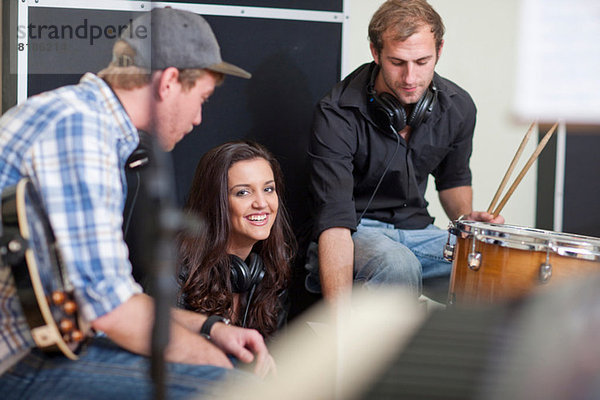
(246, 277)
(387, 112)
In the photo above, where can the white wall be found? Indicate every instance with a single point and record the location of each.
(480, 55)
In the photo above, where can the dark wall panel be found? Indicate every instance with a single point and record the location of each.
(318, 5)
(70, 41)
(581, 211)
(581, 192)
(546, 166)
(294, 63)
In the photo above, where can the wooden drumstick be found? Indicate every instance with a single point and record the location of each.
(511, 167)
(531, 160)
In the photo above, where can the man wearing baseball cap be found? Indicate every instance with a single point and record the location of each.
(73, 143)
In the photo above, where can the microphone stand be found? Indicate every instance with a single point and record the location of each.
(156, 229)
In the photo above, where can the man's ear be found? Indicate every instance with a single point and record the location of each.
(439, 52)
(374, 53)
(167, 82)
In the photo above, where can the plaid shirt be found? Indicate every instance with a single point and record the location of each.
(73, 143)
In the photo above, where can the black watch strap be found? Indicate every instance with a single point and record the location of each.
(208, 324)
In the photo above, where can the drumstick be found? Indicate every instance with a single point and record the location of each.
(533, 157)
(511, 167)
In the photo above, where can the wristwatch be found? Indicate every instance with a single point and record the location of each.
(208, 324)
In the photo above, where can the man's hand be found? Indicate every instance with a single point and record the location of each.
(246, 345)
(484, 217)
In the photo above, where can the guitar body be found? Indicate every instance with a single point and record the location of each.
(29, 247)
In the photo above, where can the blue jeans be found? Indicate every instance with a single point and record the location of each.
(105, 371)
(384, 255)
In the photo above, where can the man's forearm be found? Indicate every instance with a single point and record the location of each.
(336, 262)
(189, 319)
(130, 326)
(457, 201)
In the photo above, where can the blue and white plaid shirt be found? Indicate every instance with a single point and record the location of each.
(73, 143)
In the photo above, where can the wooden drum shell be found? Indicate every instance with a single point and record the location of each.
(507, 273)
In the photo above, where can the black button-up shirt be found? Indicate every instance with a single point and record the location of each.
(348, 154)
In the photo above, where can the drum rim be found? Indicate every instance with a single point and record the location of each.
(525, 238)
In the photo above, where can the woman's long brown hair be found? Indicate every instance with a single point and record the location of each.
(204, 263)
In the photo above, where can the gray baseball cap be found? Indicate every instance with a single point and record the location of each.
(168, 37)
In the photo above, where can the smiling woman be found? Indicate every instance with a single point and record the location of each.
(238, 265)
(253, 204)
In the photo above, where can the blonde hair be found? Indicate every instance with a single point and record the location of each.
(403, 18)
(122, 74)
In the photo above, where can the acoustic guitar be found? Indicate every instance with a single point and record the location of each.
(28, 246)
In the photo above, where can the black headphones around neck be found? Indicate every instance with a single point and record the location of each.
(136, 162)
(141, 155)
(246, 276)
(387, 111)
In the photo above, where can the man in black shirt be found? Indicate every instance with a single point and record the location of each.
(376, 138)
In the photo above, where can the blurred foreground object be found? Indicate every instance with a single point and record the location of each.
(543, 346)
(346, 350)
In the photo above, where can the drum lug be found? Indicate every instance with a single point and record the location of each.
(449, 252)
(545, 272)
(474, 260)
(452, 299)
(449, 248)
